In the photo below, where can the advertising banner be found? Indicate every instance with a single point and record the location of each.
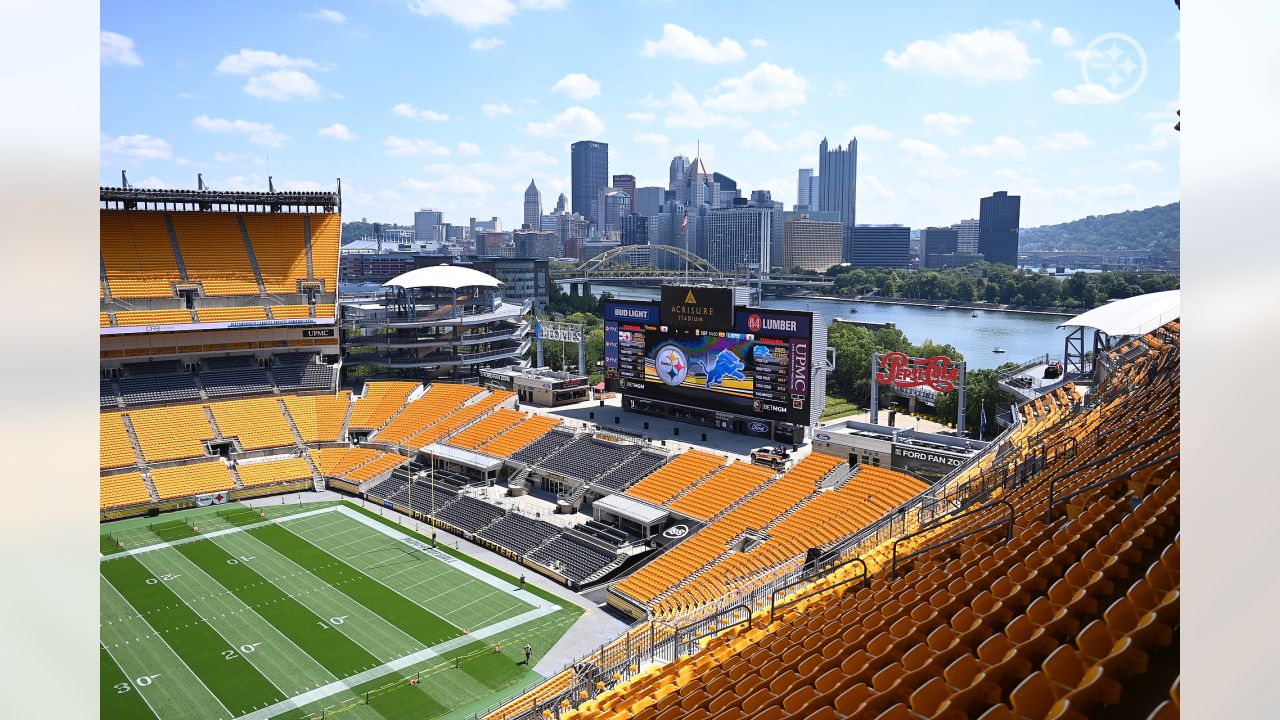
(208, 499)
(703, 308)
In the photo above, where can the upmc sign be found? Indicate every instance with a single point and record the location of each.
(703, 308)
(900, 370)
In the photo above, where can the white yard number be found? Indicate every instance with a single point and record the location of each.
(144, 680)
(165, 577)
(333, 621)
(122, 688)
(246, 649)
(233, 561)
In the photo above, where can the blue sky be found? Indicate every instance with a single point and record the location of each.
(455, 104)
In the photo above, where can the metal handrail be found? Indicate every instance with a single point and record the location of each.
(893, 571)
(1102, 483)
(865, 577)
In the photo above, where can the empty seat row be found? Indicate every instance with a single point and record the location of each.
(518, 533)
(676, 476)
(629, 472)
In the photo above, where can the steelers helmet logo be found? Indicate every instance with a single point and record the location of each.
(672, 365)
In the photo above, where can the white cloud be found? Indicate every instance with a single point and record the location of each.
(523, 157)
(1085, 94)
(152, 182)
(301, 186)
(867, 131)
(577, 86)
(758, 42)
(487, 43)
(975, 56)
(116, 49)
(1073, 140)
(945, 123)
(942, 172)
(1002, 146)
(921, 150)
(681, 43)
(189, 95)
(470, 14)
(259, 133)
(496, 109)
(657, 140)
(283, 85)
(768, 87)
(641, 116)
(576, 121)
(1162, 136)
(337, 131)
(757, 140)
(1062, 36)
(327, 15)
(413, 147)
(452, 185)
(1143, 167)
(250, 62)
(136, 146)
(468, 148)
(409, 111)
(684, 111)
(478, 13)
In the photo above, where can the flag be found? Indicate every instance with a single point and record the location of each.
(684, 222)
(982, 422)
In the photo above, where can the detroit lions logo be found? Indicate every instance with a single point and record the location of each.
(727, 365)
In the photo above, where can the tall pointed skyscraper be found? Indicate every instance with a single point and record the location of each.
(838, 186)
(562, 204)
(532, 206)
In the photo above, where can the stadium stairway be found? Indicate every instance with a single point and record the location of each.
(235, 476)
(346, 419)
(176, 248)
(253, 258)
(213, 422)
(293, 427)
(140, 460)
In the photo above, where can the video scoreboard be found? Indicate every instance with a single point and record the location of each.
(695, 349)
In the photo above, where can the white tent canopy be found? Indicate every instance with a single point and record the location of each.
(443, 276)
(1137, 315)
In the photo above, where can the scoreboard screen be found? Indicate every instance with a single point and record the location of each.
(760, 368)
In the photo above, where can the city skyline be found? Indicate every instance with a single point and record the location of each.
(947, 108)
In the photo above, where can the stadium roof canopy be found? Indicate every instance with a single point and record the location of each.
(444, 276)
(1132, 316)
(642, 513)
(461, 456)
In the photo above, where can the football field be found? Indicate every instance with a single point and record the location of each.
(308, 611)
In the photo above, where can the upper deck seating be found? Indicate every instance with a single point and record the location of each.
(135, 249)
(519, 436)
(280, 246)
(186, 480)
(213, 252)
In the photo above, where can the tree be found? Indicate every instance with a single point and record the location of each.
(980, 388)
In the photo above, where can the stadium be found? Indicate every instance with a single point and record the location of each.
(283, 536)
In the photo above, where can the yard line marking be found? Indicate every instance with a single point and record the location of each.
(166, 644)
(448, 559)
(398, 664)
(236, 599)
(135, 686)
(213, 534)
(286, 562)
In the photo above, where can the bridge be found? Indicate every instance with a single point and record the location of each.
(619, 266)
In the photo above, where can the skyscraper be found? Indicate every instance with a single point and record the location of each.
(426, 227)
(998, 227)
(679, 164)
(879, 246)
(617, 205)
(967, 236)
(738, 238)
(838, 189)
(648, 200)
(936, 241)
(562, 204)
(803, 185)
(589, 167)
(532, 206)
(810, 244)
(627, 184)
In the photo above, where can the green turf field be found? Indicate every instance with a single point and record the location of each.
(295, 611)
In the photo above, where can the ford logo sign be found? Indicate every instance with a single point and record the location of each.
(676, 531)
(823, 436)
(757, 427)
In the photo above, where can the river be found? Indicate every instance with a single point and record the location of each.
(1022, 336)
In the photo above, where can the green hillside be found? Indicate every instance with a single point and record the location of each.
(1155, 230)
